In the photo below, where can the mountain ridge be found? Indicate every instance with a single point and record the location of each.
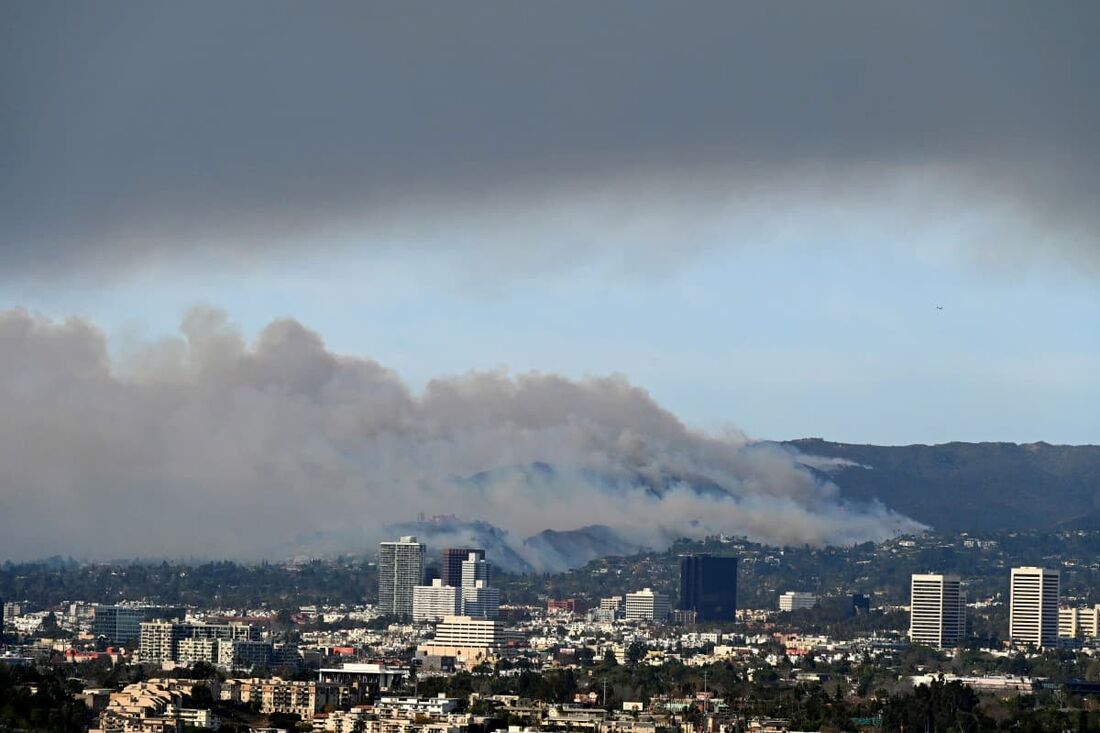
(961, 486)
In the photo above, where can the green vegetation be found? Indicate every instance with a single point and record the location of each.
(202, 584)
(34, 700)
(972, 487)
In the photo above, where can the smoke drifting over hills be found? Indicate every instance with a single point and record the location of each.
(206, 445)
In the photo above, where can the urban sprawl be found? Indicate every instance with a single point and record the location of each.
(444, 649)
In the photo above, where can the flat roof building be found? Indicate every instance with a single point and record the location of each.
(1075, 623)
(1033, 611)
(708, 586)
(936, 611)
(436, 601)
(466, 639)
(122, 624)
(453, 557)
(794, 600)
(400, 570)
(646, 605)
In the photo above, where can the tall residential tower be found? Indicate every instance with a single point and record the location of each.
(400, 569)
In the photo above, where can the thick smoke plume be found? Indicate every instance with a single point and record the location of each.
(206, 445)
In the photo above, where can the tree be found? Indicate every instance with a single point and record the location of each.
(49, 628)
(635, 653)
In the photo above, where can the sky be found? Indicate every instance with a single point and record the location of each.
(867, 222)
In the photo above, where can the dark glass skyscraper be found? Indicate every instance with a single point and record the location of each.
(708, 586)
(453, 557)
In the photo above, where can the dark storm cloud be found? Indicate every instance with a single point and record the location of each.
(132, 129)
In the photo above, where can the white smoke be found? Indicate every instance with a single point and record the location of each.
(206, 445)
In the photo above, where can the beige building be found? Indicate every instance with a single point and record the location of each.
(1075, 623)
(468, 640)
(284, 696)
(157, 706)
(367, 719)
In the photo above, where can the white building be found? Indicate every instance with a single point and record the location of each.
(187, 643)
(474, 569)
(400, 570)
(435, 601)
(646, 605)
(1033, 612)
(1074, 623)
(937, 611)
(190, 651)
(794, 600)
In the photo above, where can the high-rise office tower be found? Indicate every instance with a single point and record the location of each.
(475, 568)
(708, 586)
(453, 557)
(400, 568)
(937, 612)
(1033, 613)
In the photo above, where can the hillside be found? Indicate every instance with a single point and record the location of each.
(973, 486)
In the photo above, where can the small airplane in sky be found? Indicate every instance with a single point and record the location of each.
(939, 307)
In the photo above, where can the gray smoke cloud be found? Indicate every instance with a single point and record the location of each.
(206, 445)
(135, 131)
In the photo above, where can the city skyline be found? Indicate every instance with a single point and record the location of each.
(572, 367)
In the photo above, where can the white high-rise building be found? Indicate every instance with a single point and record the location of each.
(793, 600)
(1033, 613)
(645, 605)
(479, 600)
(436, 601)
(937, 611)
(474, 569)
(400, 570)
